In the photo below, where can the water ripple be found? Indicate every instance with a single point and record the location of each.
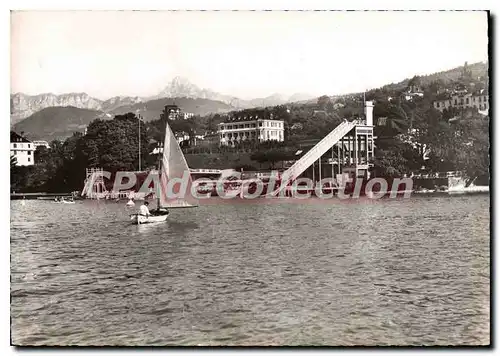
(386, 272)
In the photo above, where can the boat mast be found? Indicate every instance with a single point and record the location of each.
(160, 156)
(139, 118)
(160, 159)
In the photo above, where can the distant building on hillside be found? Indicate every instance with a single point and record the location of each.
(22, 149)
(181, 136)
(173, 112)
(233, 132)
(40, 144)
(478, 100)
(412, 92)
(459, 89)
(412, 95)
(414, 89)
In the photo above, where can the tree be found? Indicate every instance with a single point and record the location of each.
(323, 102)
(329, 107)
(244, 167)
(414, 82)
(471, 146)
(272, 156)
(389, 163)
(114, 144)
(259, 157)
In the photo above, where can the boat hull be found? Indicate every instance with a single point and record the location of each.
(139, 219)
(470, 190)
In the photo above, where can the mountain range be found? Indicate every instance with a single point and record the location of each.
(59, 122)
(23, 105)
(181, 87)
(50, 116)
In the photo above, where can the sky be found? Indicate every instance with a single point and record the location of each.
(245, 54)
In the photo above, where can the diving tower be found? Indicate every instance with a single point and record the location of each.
(94, 187)
(347, 151)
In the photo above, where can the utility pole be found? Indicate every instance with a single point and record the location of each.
(364, 105)
(139, 117)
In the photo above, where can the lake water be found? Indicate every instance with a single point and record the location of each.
(269, 272)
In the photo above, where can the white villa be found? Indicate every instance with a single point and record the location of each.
(260, 130)
(23, 149)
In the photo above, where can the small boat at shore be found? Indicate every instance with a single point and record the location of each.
(476, 189)
(424, 191)
(62, 200)
(52, 198)
(460, 187)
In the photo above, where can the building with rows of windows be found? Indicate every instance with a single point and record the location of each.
(22, 149)
(40, 144)
(233, 132)
(477, 100)
(174, 112)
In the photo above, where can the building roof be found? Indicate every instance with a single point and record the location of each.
(15, 137)
(41, 143)
(244, 119)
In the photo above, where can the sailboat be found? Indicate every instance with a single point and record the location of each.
(172, 165)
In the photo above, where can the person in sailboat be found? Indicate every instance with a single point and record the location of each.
(160, 211)
(144, 210)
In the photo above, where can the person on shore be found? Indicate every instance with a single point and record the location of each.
(143, 210)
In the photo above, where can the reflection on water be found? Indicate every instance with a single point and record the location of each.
(269, 272)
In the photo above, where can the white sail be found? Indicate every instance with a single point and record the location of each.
(174, 166)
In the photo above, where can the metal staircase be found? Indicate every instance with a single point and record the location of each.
(314, 154)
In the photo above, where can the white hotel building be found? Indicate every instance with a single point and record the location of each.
(250, 130)
(478, 100)
(22, 149)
